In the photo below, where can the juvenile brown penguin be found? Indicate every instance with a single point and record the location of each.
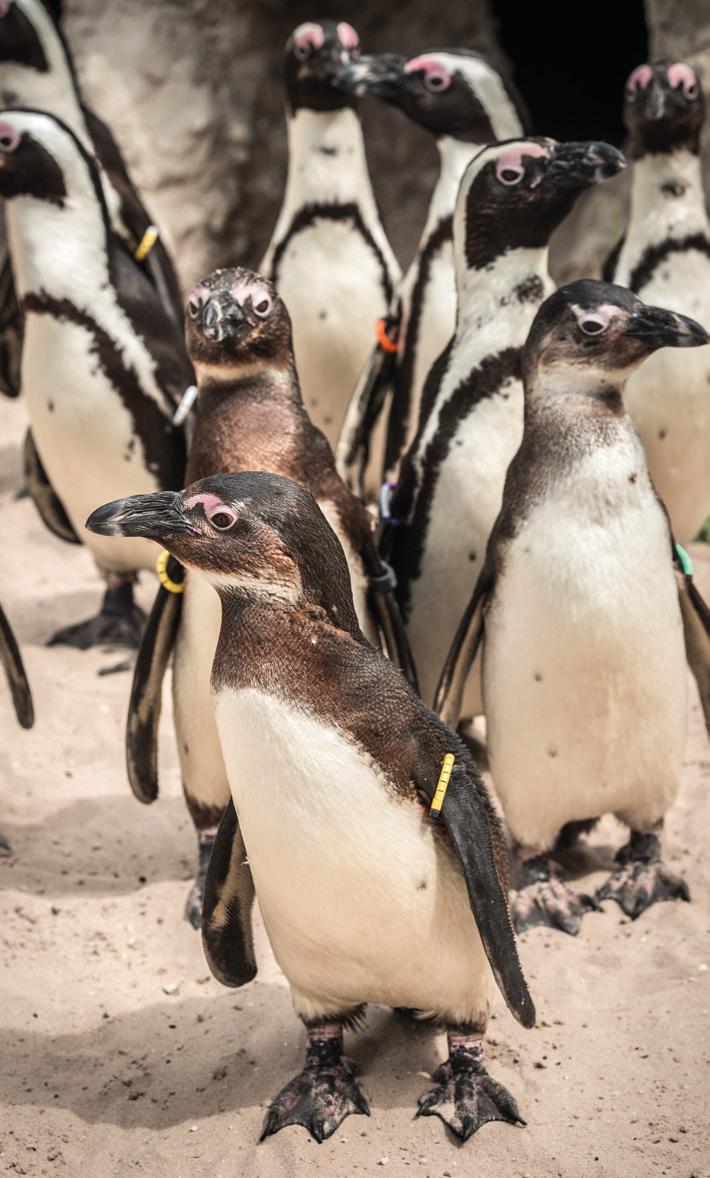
(336, 769)
(250, 416)
(577, 607)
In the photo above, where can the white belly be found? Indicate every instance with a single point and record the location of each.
(84, 435)
(331, 283)
(436, 327)
(584, 672)
(359, 902)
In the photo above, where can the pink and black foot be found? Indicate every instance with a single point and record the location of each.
(324, 1093)
(465, 1096)
(196, 895)
(642, 879)
(546, 899)
(119, 622)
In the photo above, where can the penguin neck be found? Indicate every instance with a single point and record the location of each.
(502, 292)
(60, 250)
(327, 163)
(565, 396)
(454, 158)
(667, 197)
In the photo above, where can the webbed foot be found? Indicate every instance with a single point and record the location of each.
(119, 622)
(324, 1093)
(465, 1096)
(546, 899)
(642, 879)
(196, 895)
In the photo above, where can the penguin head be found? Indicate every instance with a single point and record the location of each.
(23, 26)
(514, 194)
(590, 336)
(39, 157)
(451, 92)
(234, 318)
(315, 52)
(251, 532)
(664, 108)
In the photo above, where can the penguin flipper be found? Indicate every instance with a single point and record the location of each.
(227, 934)
(467, 639)
(470, 821)
(147, 689)
(386, 610)
(11, 333)
(696, 628)
(14, 669)
(44, 497)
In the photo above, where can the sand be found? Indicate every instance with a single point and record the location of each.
(119, 1052)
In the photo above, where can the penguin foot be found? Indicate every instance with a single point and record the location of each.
(120, 622)
(546, 899)
(196, 895)
(642, 879)
(324, 1093)
(465, 1096)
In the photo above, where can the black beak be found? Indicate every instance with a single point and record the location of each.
(217, 317)
(656, 101)
(579, 165)
(658, 328)
(378, 76)
(156, 517)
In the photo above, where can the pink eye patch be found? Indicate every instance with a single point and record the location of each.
(309, 36)
(512, 158)
(211, 503)
(347, 36)
(682, 75)
(433, 70)
(640, 78)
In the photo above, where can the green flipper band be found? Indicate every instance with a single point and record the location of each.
(685, 562)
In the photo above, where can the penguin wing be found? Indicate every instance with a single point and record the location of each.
(147, 688)
(467, 639)
(13, 667)
(386, 611)
(11, 333)
(44, 497)
(696, 628)
(227, 935)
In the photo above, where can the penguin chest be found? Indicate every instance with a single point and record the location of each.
(84, 434)
(583, 665)
(357, 898)
(331, 280)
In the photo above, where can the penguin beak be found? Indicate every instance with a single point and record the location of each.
(579, 165)
(657, 328)
(215, 319)
(378, 76)
(656, 101)
(155, 517)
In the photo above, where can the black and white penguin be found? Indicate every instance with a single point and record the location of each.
(250, 416)
(578, 611)
(329, 256)
(335, 768)
(512, 197)
(665, 258)
(103, 364)
(465, 104)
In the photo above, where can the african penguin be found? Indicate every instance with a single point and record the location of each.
(578, 611)
(328, 257)
(513, 195)
(334, 764)
(250, 416)
(665, 258)
(103, 365)
(464, 104)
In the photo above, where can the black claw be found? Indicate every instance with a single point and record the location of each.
(319, 1100)
(466, 1099)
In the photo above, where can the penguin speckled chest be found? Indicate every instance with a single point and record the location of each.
(328, 256)
(578, 610)
(250, 416)
(333, 762)
(450, 487)
(665, 258)
(464, 104)
(102, 363)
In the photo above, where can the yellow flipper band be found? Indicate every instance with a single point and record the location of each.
(442, 785)
(161, 568)
(146, 243)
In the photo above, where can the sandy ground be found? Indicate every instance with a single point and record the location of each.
(119, 1053)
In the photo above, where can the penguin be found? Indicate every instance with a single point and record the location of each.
(18, 683)
(103, 365)
(665, 258)
(465, 104)
(513, 195)
(328, 257)
(579, 614)
(250, 416)
(335, 770)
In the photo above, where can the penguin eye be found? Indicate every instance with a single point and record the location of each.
(263, 307)
(222, 518)
(9, 139)
(510, 174)
(193, 306)
(592, 324)
(632, 89)
(302, 50)
(437, 80)
(691, 90)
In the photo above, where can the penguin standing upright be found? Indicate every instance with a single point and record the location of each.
(458, 97)
(665, 258)
(336, 770)
(328, 257)
(512, 197)
(578, 611)
(250, 416)
(103, 365)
